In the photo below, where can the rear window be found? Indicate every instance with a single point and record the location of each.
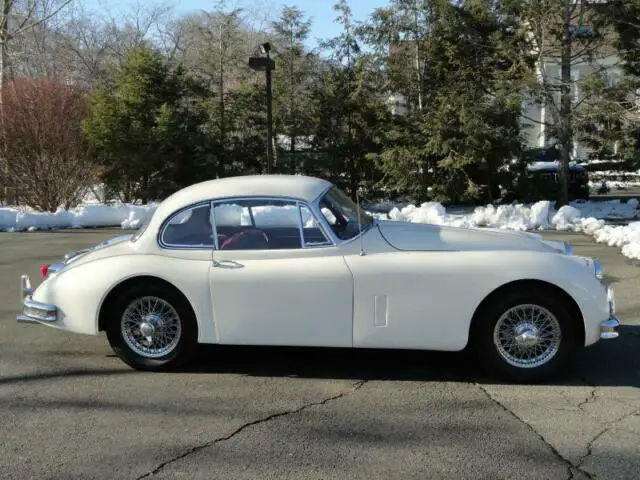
(189, 228)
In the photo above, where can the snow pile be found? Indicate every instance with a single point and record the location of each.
(430, 212)
(626, 237)
(566, 218)
(586, 217)
(539, 216)
(84, 216)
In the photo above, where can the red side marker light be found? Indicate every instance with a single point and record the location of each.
(44, 269)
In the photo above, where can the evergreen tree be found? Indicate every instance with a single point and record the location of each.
(146, 129)
(348, 110)
(246, 150)
(292, 78)
(466, 125)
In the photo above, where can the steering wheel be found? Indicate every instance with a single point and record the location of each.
(250, 239)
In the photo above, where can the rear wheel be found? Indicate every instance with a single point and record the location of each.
(526, 336)
(152, 328)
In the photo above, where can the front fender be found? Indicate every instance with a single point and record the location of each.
(79, 290)
(575, 276)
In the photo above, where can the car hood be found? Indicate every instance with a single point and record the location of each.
(426, 237)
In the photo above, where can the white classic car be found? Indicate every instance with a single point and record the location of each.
(292, 261)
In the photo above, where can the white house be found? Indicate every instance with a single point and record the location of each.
(536, 117)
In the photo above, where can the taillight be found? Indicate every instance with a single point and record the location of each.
(44, 269)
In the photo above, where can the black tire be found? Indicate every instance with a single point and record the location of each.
(485, 347)
(186, 340)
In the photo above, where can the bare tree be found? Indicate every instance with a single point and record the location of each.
(16, 18)
(137, 27)
(20, 16)
(51, 162)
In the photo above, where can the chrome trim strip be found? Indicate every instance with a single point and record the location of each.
(54, 268)
(323, 220)
(214, 228)
(326, 231)
(74, 253)
(568, 249)
(25, 319)
(327, 243)
(610, 328)
(300, 225)
(598, 268)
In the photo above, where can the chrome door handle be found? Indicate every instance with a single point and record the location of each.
(227, 264)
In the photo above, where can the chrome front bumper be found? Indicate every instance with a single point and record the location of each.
(32, 311)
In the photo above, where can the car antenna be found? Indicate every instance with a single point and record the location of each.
(359, 223)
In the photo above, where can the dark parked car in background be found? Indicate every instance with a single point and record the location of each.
(538, 178)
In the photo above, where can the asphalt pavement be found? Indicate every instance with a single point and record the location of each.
(70, 409)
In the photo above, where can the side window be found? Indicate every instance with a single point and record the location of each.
(260, 224)
(189, 228)
(311, 231)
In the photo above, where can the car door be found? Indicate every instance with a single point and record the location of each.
(276, 279)
(186, 242)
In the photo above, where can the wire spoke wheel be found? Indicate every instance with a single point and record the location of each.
(151, 327)
(527, 336)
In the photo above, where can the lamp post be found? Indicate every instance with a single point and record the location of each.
(266, 64)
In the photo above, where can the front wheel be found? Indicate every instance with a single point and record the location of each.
(526, 336)
(152, 328)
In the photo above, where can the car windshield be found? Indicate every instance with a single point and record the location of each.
(342, 214)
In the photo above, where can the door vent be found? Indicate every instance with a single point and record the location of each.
(381, 311)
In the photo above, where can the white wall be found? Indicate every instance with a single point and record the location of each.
(535, 134)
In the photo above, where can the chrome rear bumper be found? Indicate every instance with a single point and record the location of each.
(32, 311)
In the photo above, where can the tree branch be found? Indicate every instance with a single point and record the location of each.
(539, 122)
(24, 27)
(32, 8)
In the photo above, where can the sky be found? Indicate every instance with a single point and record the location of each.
(321, 11)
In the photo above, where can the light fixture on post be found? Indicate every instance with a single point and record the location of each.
(266, 64)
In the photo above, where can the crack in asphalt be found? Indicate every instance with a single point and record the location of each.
(354, 388)
(589, 399)
(571, 468)
(609, 425)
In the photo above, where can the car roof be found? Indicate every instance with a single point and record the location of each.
(293, 186)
